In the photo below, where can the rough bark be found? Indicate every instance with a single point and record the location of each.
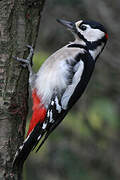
(19, 24)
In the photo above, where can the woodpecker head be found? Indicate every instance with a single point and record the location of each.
(90, 32)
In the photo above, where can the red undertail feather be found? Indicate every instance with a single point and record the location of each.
(106, 35)
(39, 111)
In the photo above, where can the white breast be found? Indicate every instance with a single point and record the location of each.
(53, 74)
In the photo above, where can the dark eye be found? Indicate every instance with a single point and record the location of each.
(83, 27)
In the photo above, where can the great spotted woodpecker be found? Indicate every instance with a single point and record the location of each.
(61, 81)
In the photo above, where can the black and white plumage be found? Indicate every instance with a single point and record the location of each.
(61, 81)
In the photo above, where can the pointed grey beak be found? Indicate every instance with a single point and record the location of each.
(68, 24)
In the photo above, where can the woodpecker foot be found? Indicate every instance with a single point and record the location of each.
(29, 58)
(28, 61)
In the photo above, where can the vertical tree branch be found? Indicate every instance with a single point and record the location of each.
(19, 24)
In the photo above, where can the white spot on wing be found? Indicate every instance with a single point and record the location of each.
(52, 103)
(39, 137)
(44, 125)
(58, 107)
(48, 113)
(51, 117)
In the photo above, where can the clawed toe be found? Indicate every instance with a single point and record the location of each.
(28, 60)
(30, 47)
(21, 60)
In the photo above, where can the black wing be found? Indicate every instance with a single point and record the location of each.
(55, 115)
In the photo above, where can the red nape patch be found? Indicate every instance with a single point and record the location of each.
(39, 111)
(106, 35)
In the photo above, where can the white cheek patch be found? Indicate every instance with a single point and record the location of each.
(90, 34)
(93, 34)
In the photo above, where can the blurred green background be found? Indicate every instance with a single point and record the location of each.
(86, 145)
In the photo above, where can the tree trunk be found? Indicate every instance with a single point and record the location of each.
(19, 25)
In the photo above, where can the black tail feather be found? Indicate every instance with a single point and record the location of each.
(33, 139)
(30, 142)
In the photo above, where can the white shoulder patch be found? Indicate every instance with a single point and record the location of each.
(70, 90)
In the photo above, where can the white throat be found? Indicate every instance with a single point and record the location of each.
(79, 41)
(94, 53)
